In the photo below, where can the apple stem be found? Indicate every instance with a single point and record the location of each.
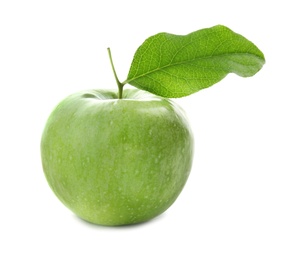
(119, 84)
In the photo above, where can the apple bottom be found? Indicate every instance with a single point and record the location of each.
(117, 161)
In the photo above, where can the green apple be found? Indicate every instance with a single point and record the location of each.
(117, 161)
(117, 158)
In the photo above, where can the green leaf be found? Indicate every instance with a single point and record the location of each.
(173, 66)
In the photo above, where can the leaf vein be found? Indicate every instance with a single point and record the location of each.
(187, 61)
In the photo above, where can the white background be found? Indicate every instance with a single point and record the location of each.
(243, 197)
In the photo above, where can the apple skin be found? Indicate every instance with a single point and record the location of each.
(117, 161)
